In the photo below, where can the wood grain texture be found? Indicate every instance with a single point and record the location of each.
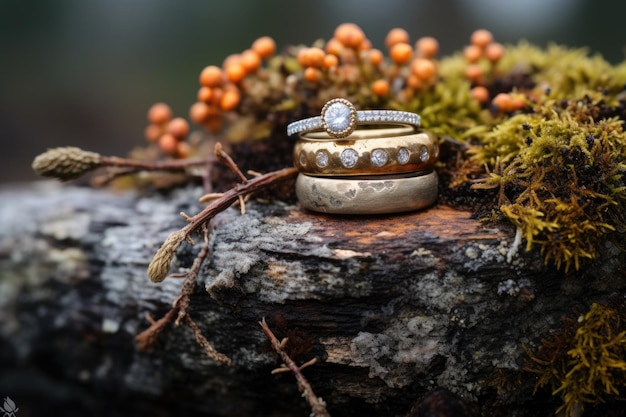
(392, 306)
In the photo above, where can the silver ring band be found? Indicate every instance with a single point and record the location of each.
(372, 195)
(339, 119)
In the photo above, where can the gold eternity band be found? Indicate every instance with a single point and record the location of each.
(369, 195)
(376, 156)
(339, 118)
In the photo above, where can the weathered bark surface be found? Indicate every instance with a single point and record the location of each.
(393, 306)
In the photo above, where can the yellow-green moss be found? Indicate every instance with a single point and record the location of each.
(584, 362)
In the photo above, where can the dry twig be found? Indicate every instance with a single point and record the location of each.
(179, 313)
(160, 264)
(318, 406)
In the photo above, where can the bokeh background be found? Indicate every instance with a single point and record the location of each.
(83, 73)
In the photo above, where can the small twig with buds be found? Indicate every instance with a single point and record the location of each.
(318, 406)
(160, 264)
(67, 163)
(179, 313)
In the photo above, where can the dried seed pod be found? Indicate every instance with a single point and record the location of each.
(66, 163)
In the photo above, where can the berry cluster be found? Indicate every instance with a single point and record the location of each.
(348, 58)
(221, 88)
(250, 93)
(169, 133)
(482, 56)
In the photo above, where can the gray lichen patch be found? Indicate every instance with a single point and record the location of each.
(278, 260)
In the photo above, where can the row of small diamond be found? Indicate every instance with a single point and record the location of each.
(366, 116)
(349, 157)
(305, 124)
(363, 116)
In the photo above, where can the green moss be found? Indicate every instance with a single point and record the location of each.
(584, 362)
(559, 164)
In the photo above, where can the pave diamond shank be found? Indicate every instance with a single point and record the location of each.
(339, 119)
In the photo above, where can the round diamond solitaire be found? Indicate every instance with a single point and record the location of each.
(379, 157)
(339, 118)
(349, 158)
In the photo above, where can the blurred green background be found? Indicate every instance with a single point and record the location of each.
(83, 73)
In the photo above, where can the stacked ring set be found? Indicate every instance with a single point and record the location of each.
(363, 162)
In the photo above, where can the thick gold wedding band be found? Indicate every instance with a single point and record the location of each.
(367, 195)
(377, 156)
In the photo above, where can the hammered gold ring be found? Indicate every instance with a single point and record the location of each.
(367, 195)
(375, 156)
(339, 118)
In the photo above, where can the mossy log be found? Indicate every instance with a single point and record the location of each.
(393, 307)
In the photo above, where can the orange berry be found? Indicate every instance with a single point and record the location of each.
(517, 102)
(395, 36)
(315, 57)
(376, 57)
(199, 112)
(503, 102)
(428, 46)
(231, 59)
(333, 46)
(330, 61)
(230, 100)
(217, 95)
(481, 38)
(250, 60)
(265, 47)
(423, 68)
(474, 73)
(480, 94)
(159, 113)
(204, 94)
(414, 82)
(235, 72)
(303, 57)
(366, 45)
(401, 53)
(178, 127)
(312, 74)
(472, 53)
(211, 76)
(182, 150)
(168, 144)
(152, 133)
(494, 51)
(380, 87)
(350, 35)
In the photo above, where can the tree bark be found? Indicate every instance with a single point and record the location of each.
(393, 307)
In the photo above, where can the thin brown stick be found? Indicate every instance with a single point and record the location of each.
(147, 338)
(318, 406)
(206, 345)
(232, 195)
(167, 165)
(224, 158)
(180, 313)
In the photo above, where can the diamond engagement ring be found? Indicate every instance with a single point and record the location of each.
(339, 119)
